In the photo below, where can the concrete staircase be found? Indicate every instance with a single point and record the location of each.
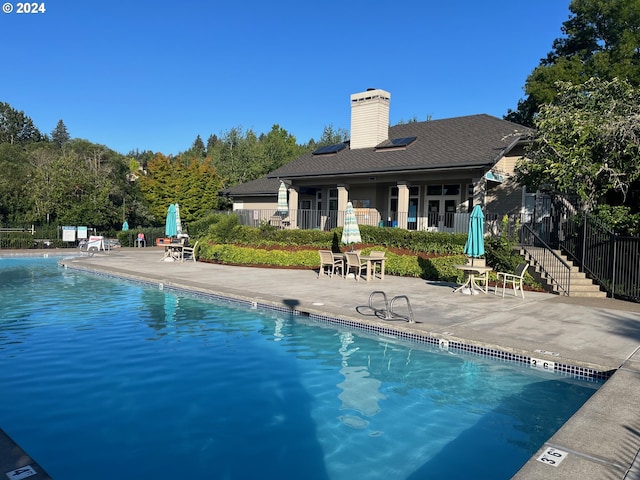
(548, 275)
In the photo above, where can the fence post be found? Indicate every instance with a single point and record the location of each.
(584, 239)
(612, 239)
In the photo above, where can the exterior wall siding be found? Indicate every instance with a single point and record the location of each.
(505, 197)
(369, 118)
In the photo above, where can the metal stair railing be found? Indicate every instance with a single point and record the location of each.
(555, 268)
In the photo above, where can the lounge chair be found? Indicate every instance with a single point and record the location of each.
(516, 279)
(354, 263)
(189, 253)
(329, 262)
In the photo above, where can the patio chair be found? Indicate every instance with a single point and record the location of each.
(516, 279)
(354, 263)
(330, 262)
(189, 253)
(276, 221)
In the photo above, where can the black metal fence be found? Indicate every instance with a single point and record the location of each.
(613, 261)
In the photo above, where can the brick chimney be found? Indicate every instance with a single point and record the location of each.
(369, 118)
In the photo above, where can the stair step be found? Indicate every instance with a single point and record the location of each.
(584, 288)
(588, 294)
(580, 285)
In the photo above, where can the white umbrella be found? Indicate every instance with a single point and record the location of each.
(178, 221)
(283, 204)
(350, 231)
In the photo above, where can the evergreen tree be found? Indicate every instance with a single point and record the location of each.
(60, 135)
(16, 127)
(197, 148)
(602, 39)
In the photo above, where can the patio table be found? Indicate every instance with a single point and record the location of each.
(371, 262)
(471, 271)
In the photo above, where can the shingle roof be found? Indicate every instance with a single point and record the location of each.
(261, 187)
(450, 143)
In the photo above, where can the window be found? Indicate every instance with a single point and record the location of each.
(434, 190)
(333, 199)
(452, 189)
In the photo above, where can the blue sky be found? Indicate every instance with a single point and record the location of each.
(152, 75)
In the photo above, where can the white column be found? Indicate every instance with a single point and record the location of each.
(343, 198)
(403, 205)
(293, 206)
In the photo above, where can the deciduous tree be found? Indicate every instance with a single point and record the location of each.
(587, 142)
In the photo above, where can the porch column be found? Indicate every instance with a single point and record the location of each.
(403, 205)
(293, 206)
(343, 198)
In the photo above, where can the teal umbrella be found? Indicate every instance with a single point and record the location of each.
(350, 231)
(474, 247)
(170, 226)
(125, 226)
(283, 204)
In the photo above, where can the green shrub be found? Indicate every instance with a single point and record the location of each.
(439, 268)
(17, 240)
(239, 255)
(228, 242)
(225, 229)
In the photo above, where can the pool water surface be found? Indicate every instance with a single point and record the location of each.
(104, 378)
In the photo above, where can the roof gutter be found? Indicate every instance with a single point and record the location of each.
(439, 168)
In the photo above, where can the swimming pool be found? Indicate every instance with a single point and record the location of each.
(111, 379)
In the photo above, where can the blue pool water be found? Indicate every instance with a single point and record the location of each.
(106, 379)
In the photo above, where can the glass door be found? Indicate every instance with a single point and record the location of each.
(433, 214)
(442, 205)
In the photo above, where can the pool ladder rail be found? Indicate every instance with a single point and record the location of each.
(388, 313)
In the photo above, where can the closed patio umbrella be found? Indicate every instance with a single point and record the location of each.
(170, 226)
(350, 231)
(178, 221)
(125, 226)
(283, 204)
(474, 247)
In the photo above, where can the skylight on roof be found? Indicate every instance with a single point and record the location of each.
(396, 143)
(330, 149)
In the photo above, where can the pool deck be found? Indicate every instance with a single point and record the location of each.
(601, 440)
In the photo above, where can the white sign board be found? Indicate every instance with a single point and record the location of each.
(82, 233)
(69, 234)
